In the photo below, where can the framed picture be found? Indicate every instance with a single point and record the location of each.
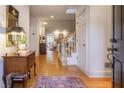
(12, 17)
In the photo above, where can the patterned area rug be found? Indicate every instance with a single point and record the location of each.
(59, 82)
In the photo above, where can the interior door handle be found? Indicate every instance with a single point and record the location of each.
(84, 44)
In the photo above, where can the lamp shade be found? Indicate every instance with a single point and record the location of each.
(17, 29)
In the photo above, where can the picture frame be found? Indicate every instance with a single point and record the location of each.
(12, 19)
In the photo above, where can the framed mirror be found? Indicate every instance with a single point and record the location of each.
(12, 17)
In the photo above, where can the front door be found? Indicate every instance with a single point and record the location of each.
(118, 46)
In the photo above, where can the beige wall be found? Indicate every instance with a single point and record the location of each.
(23, 21)
(34, 34)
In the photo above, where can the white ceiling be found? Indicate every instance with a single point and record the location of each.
(45, 11)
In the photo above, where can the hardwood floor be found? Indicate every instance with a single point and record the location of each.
(48, 65)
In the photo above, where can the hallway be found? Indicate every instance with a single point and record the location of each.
(48, 65)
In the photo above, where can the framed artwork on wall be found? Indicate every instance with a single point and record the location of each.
(12, 17)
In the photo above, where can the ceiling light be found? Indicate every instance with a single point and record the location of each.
(45, 23)
(56, 32)
(70, 10)
(65, 33)
(52, 16)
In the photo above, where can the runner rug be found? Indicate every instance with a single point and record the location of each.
(59, 82)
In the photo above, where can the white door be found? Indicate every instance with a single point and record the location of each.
(81, 36)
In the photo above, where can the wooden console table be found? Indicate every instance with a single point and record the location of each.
(19, 64)
(42, 48)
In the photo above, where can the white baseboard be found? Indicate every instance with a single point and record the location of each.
(108, 72)
(100, 74)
